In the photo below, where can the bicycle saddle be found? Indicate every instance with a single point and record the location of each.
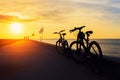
(89, 32)
(64, 34)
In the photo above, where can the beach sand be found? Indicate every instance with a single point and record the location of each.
(32, 60)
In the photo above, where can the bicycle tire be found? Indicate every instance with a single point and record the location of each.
(77, 53)
(96, 56)
(65, 46)
(59, 47)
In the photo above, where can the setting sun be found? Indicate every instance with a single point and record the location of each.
(16, 28)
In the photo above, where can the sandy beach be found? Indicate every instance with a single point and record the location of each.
(32, 60)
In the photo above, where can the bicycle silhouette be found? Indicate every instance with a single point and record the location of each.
(82, 50)
(61, 44)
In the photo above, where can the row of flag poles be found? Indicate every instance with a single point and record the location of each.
(40, 32)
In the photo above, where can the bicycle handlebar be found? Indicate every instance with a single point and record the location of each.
(77, 28)
(55, 33)
(59, 32)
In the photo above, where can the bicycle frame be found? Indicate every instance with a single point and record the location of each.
(61, 37)
(83, 38)
(61, 43)
(86, 50)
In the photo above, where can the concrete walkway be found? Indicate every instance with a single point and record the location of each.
(31, 60)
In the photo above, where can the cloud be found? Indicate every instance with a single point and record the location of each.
(10, 18)
(57, 10)
(109, 9)
(60, 10)
(52, 10)
(7, 18)
(114, 3)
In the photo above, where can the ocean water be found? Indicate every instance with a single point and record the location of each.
(110, 47)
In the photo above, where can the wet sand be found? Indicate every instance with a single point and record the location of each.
(32, 60)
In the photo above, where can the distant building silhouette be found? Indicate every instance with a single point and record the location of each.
(26, 37)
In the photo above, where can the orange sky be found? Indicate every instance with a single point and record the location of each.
(101, 16)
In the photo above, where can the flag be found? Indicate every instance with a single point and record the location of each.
(33, 34)
(41, 30)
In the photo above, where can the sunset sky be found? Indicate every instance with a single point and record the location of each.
(101, 16)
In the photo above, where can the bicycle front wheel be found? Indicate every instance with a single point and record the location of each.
(96, 59)
(77, 52)
(59, 47)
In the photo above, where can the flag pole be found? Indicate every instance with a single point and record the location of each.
(42, 36)
(41, 32)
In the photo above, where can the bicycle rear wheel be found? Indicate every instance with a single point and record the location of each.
(96, 59)
(77, 52)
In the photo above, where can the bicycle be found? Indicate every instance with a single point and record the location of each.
(82, 50)
(61, 43)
